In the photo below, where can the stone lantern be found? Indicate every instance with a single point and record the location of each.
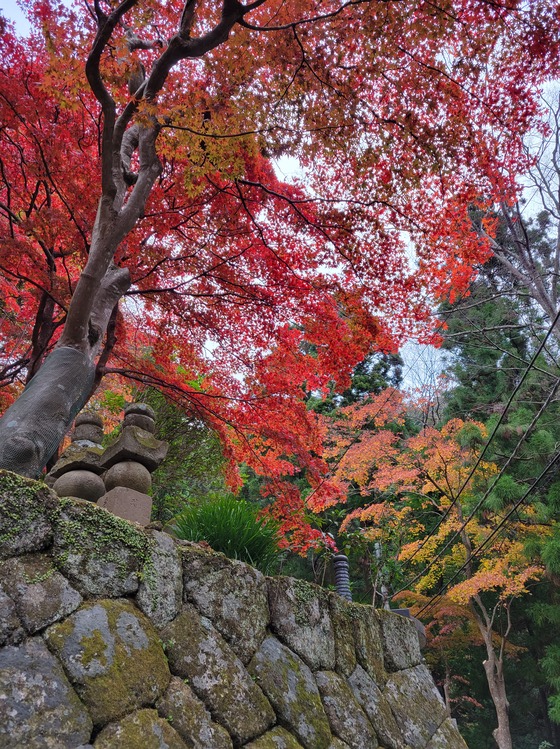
(128, 464)
(78, 471)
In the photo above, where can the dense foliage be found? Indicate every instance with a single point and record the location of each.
(146, 225)
(232, 526)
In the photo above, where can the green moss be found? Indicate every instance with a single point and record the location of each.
(85, 526)
(143, 728)
(93, 648)
(304, 594)
(111, 674)
(20, 504)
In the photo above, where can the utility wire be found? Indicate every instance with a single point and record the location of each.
(486, 494)
(489, 441)
(496, 530)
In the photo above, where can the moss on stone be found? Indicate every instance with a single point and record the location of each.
(143, 728)
(93, 648)
(112, 656)
(278, 738)
(102, 554)
(25, 514)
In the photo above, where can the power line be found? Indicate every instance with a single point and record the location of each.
(484, 497)
(496, 530)
(487, 445)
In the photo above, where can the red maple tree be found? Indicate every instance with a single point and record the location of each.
(146, 230)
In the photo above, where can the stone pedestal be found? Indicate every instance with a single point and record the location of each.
(128, 504)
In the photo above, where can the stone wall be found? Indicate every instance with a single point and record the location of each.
(113, 636)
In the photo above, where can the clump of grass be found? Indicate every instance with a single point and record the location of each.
(232, 526)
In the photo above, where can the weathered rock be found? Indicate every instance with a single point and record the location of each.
(140, 408)
(137, 420)
(80, 483)
(129, 473)
(26, 509)
(376, 707)
(416, 704)
(289, 685)
(198, 652)
(299, 615)
(160, 592)
(99, 553)
(401, 646)
(38, 707)
(342, 617)
(278, 738)
(41, 594)
(447, 737)
(11, 631)
(338, 744)
(112, 656)
(135, 444)
(88, 427)
(192, 721)
(348, 721)
(140, 415)
(369, 643)
(231, 594)
(77, 457)
(127, 504)
(144, 729)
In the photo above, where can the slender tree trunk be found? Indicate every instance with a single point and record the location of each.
(447, 691)
(494, 669)
(493, 665)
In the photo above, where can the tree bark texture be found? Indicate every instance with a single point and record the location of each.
(33, 427)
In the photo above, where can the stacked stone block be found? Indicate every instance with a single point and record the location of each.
(129, 463)
(113, 636)
(117, 478)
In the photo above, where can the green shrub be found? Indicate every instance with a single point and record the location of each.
(233, 527)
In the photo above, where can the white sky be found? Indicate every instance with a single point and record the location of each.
(12, 12)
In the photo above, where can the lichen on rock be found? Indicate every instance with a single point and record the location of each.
(113, 657)
(11, 631)
(278, 738)
(101, 554)
(26, 509)
(232, 594)
(289, 685)
(299, 615)
(198, 652)
(342, 615)
(447, 737)
(416, 704)
(38, 707)
(377, 708)
(160, 592)
(143, 729)
(40, 593)
(348, 721)
(401, 646)
(190, 718)
(369, 643)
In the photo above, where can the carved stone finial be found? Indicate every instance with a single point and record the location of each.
(77, 471)
(88, 428)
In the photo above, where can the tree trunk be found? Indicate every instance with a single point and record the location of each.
(496, 684)
(494, 669)
(33, 427)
